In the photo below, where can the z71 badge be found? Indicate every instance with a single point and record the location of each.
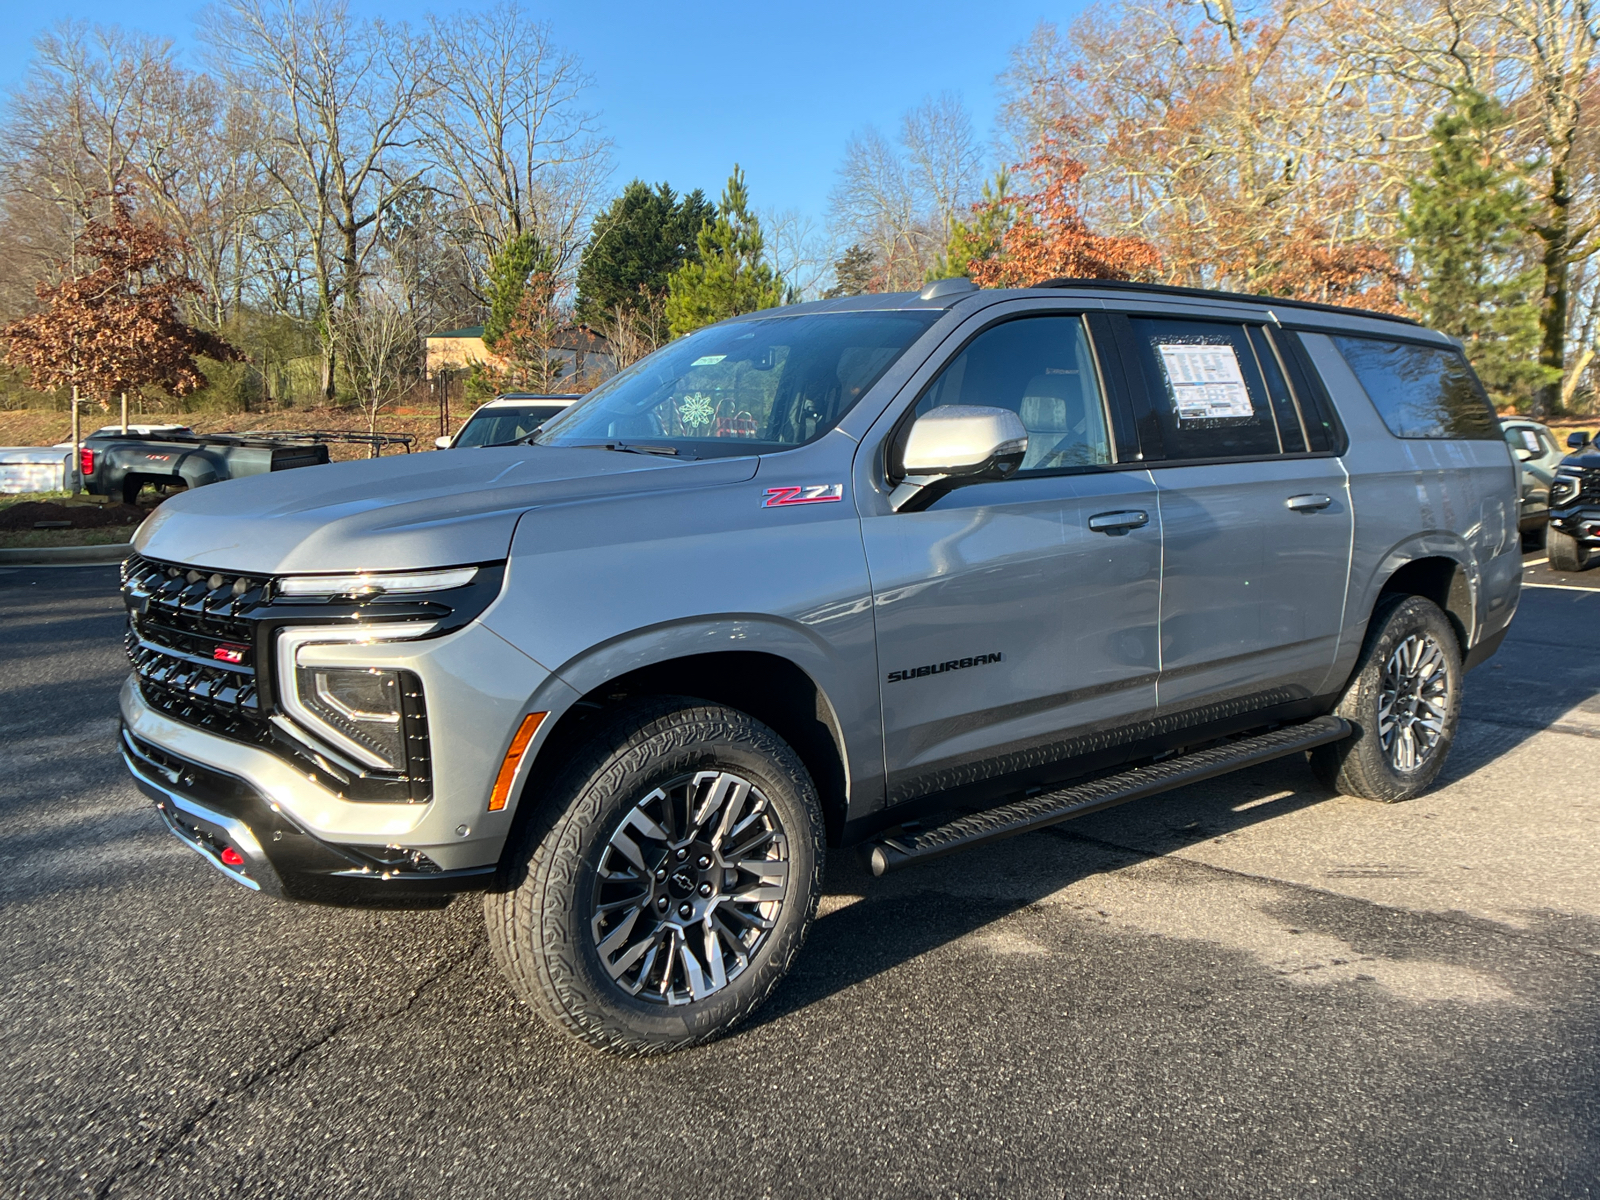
(816, 493)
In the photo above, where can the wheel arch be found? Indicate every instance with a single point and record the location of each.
(769, 685)
(1448, 579)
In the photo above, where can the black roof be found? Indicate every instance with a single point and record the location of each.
(1165, 289)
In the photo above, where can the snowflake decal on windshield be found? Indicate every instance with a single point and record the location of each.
(696, 409)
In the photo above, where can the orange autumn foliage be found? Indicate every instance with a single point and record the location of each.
(115, 327)
(1046, 236)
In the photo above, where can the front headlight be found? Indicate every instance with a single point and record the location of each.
(362, 704)
(1564, 488)
(372, 717)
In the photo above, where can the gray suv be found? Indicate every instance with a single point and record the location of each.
(904, 573)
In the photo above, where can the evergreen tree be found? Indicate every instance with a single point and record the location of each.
(509, 271)
(643, 236)
(854, 274)
(1467, 220)
(981, 237)
(732, 275)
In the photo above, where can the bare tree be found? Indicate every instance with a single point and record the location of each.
(900, 203)
(508, 131)
(381, 344)
(341, 97)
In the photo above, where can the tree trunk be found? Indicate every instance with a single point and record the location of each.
(1554, 233)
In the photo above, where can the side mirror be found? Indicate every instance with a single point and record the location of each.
(441, 443)
(1578, 440)
(1524, 454)
(957, 444)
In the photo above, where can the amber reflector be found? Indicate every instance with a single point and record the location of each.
(508, 769)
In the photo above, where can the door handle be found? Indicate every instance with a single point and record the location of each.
(1308, 503)
(1115, 524)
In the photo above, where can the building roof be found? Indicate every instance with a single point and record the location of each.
(466, 331)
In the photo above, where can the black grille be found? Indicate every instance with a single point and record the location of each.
(193, 646)
(1589, 486)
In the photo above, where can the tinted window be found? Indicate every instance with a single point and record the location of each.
(502, 426)
(1420, 391)
(1209, 392)
(1042, 369)
(1290, 430)
(746, 387)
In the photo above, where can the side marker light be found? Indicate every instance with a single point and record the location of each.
(232, 857)
(513, 760)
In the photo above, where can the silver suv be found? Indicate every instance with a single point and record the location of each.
(905, 573)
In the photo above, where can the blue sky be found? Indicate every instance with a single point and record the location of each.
(686, 90)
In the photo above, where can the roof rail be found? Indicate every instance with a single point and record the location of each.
(1167, 289)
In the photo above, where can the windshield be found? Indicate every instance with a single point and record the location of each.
(502, 425)
(745, 388)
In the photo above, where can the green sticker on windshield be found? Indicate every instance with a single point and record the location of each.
(707, 359)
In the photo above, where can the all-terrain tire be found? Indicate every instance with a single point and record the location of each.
(1362, 764)
(1566, 552)
(539, 915)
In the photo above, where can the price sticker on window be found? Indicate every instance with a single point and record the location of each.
(1206, 381)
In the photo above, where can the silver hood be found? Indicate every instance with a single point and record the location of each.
(431, 509)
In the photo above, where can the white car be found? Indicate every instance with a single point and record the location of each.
(505, 419)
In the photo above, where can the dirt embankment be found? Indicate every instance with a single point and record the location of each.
(41, 427)
(47, 514)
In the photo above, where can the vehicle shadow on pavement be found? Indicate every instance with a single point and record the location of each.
(869, 926)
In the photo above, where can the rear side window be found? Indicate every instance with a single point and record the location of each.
(1209, 392)
(1042, 369)
(1421, 391)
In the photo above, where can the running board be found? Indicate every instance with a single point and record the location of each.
(1036, 812)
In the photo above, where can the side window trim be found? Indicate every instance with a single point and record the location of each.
(1118, 392)
(1147, 425)
(1325, 432)
(1259, 338)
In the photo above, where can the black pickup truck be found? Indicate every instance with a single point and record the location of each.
(114, 463)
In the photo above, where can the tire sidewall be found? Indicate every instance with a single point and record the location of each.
(666, 749)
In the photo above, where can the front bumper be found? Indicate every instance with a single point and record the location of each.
(1580, 521)
(251, 841)
(295, 837)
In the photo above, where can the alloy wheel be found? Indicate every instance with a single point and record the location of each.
(1413, 702)
(688, 887)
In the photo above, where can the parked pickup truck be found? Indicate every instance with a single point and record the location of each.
(113, 463)
(904, 573)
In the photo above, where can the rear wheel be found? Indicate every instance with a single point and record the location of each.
(667, 882)
(1403, 703)
(1567, 553)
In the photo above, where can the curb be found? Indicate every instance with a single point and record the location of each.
(57, 556)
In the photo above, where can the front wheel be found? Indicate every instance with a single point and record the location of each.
(1403, 702)
(666, 883)
(1566, 552)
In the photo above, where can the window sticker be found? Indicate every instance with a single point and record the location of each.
(1206, 381)
(707, 360)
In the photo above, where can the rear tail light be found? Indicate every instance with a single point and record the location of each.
(85, 461)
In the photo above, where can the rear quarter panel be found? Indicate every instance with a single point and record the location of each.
(1419, 498)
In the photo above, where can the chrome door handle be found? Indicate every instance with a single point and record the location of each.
(1115, 524)
(1309, 503)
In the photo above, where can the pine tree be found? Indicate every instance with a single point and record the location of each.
(643, 236)
(854, 274)
(732, 275)
(1467, 221)
(982, 237)
(509, 272)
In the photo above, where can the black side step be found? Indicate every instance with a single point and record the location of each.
(1035, 812)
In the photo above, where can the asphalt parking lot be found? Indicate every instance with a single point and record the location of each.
(1248, 988)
